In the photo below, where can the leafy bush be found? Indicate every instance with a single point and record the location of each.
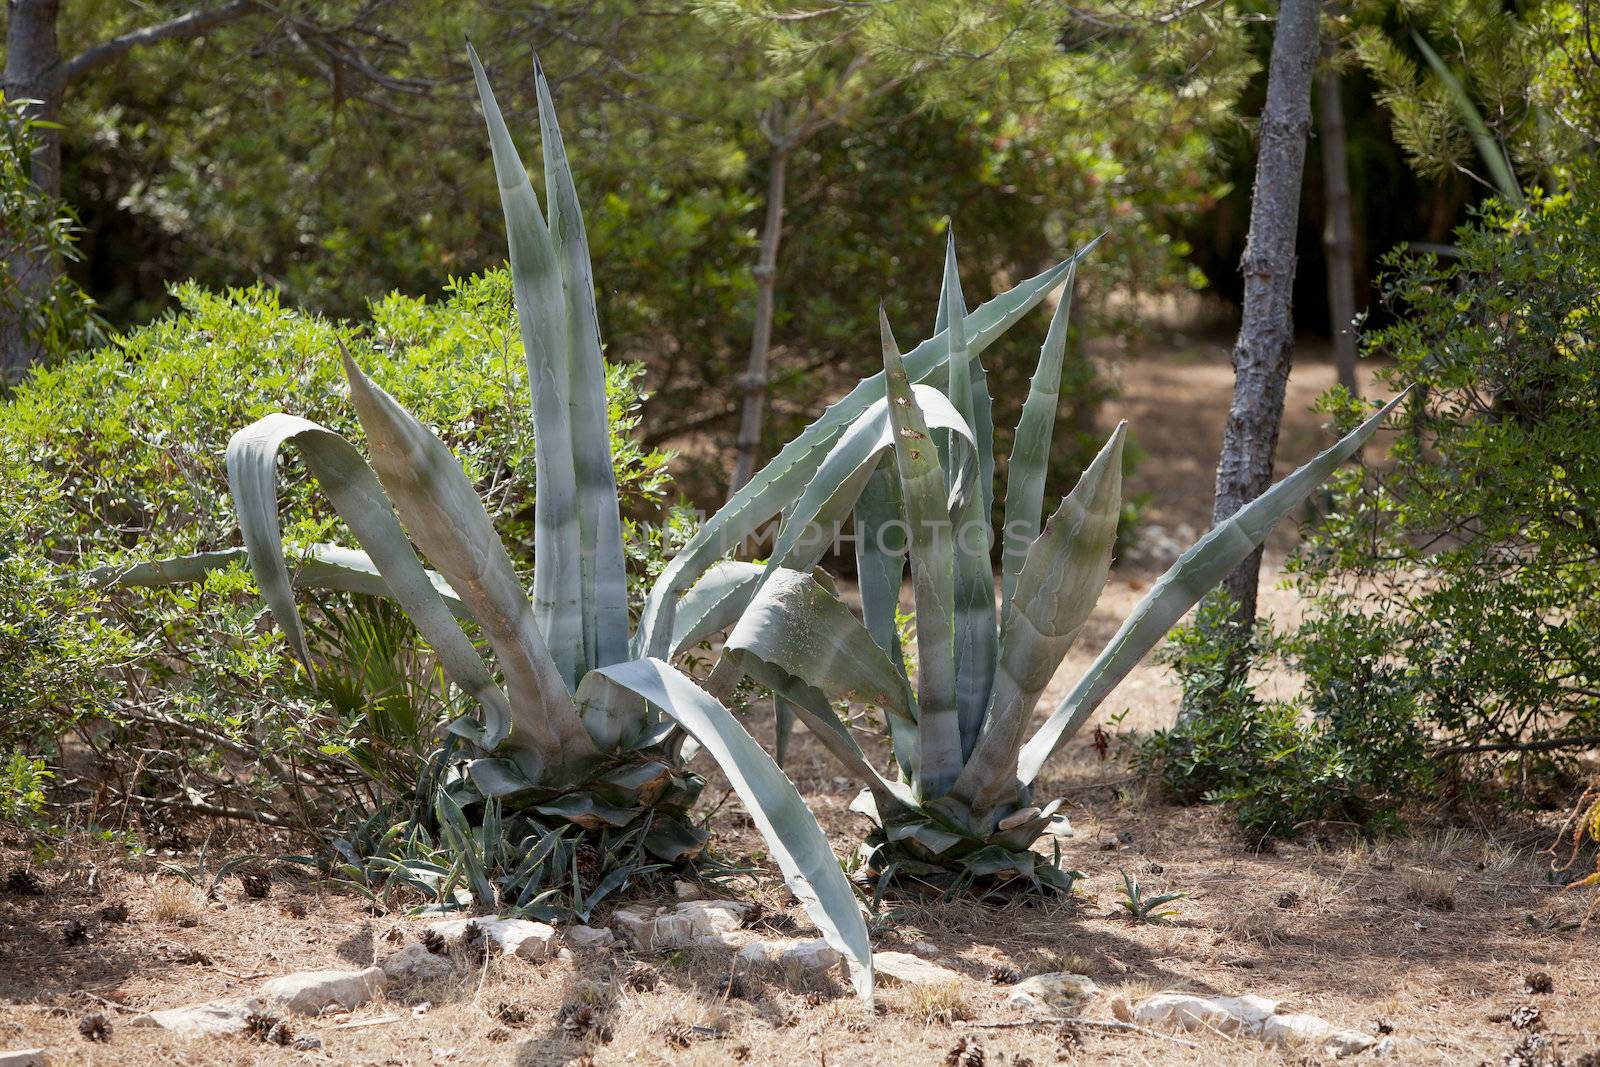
(117, 458)
(42, 313)
(1477, 541)
(1346, 749)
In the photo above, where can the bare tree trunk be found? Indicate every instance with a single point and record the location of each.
(33, 73)
(766, 275)
(1262, 354)
(1337, 231)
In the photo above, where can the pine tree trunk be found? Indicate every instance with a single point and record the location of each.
(32, 72)
(1262, 354)
(1338, 238)
(766, 275)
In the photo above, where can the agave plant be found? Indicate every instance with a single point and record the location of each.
(915, 472)
(577, 724)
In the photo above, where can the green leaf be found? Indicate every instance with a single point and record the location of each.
(1030, 452)
(445, 516)
(922, 489)
(1195, 573)
(540, 290)
(600, 556)
(252, 458)
(797, 842)
(1062, 578)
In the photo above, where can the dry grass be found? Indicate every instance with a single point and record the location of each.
(1431, 888)
(177, 903)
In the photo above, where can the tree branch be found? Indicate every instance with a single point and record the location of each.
(187, 25)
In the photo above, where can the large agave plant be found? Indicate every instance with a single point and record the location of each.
(915, 471)
(577, 722)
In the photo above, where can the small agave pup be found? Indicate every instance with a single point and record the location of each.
(916, 473)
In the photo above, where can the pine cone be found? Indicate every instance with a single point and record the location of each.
(966, 1053)
(95, 1027)
(577, 1020)
(268, 1029)
(23, 883)
(475, 942)
(75, 933)
(434, 942)
(588, 861)
(115, 913)
(511, 1014)
(678, 1035)
(294, 909)
(256, 882)
(1004, 974)
(641, 977)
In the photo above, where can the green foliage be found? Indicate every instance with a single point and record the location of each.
(1146, 909)
(1347, 749)
(1475, 541)
(60, 655)
(118, 457)
(53, 316)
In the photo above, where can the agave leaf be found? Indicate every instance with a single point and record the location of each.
(714, 603)
(1061, 580)
(975, 640)
(783, 719)
(922, 488)
(780, 482)
(811, 526)
(1030, 452)
(357, 496)
(797, 843)
(1490, 150)
(796, 625)
(881, 559)
(317, 566)
(1195, 573)
(446, 518)
(540, 290)
(603, 567)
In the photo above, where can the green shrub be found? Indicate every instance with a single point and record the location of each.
(1347, 749)
(117, 458)
(1477, 539)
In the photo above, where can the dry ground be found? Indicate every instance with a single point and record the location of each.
(1431, 935)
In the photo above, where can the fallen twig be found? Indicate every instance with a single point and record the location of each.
(1073, 1020)
(379, 1021)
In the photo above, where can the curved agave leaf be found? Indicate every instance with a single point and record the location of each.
(357, 496)
(1061, 580)
(446, 517)
(922, 488)
(780, 482)
(1030, 452)
(797, 842)
(540, 290)
(1195, 573)
(318, 566)
(714, 603)
(1490, 150)
(811, 525)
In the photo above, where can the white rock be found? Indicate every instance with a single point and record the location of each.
(1052, 992)
(690, 922)
(635, 922)
(213, 1018)
(1186, 1011)
(523, 938)
(24, 1057)
(309, 992)
(415, 963)
(686, 890)
(907, 969)
(1302, 1029)
(812, 957)
(592, 938)
(926, 949)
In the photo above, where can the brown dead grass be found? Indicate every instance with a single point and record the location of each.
(1342, 928)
